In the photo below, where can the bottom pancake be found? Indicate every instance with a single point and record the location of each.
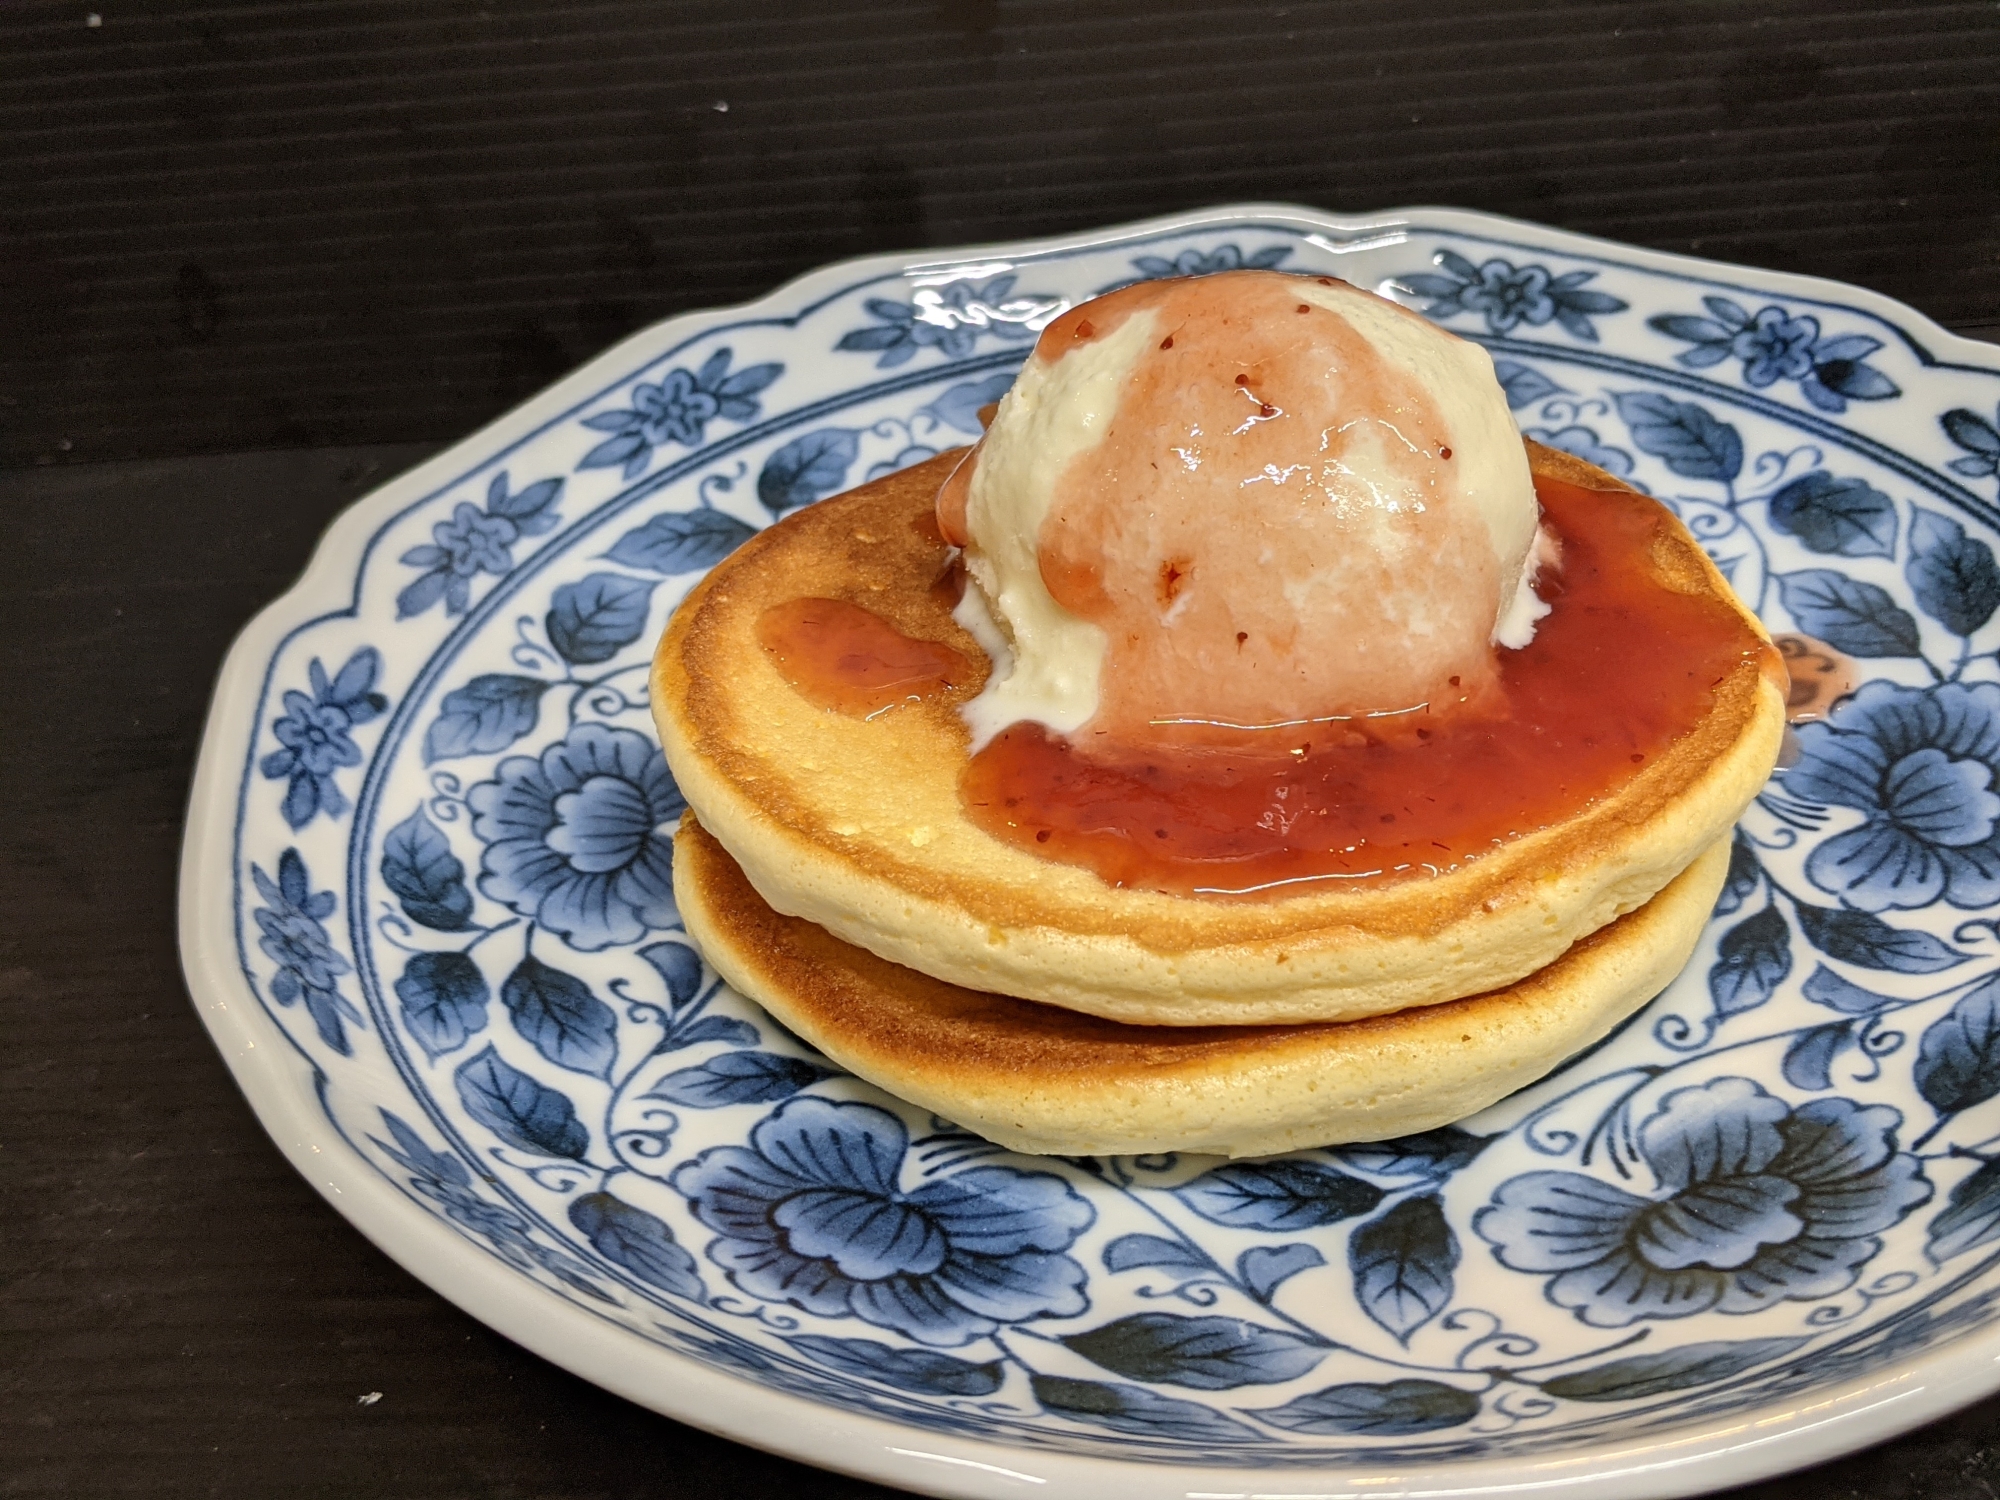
(1038, 1078)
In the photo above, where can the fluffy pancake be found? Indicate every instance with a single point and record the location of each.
(1041, 1079)
(856, 824)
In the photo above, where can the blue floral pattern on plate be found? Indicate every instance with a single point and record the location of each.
(449, 887)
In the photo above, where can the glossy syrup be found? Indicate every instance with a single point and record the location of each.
(849, 659)
(1621, 668)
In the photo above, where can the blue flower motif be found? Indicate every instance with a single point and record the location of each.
(1508, 296)
(294, 937)
(442, 1178)
(1922, 764)
(1583, 443)
(1978, 437)
(1759, 1203)
(1774, 346)
(1221, 258)
(816, 1214)
(475, 541)
(677, 410)
(470, 543)
(951, 319)
(573, 837)
(314, 735)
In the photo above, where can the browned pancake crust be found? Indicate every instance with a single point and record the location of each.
(1041, 1078)
(715, 696)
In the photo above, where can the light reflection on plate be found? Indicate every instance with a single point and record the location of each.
(429, 849)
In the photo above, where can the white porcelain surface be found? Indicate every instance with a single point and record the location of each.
(425, 917)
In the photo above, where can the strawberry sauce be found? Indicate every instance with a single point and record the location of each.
(851, 660)
(1621, 668)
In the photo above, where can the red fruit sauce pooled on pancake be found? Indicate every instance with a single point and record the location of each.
(851, 660)
(1618, 670)
(1298, 588)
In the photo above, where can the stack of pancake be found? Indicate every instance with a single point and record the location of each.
(828, 870)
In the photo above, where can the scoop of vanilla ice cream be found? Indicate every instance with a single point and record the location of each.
(1245, 500)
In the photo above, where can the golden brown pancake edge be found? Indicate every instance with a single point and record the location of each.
(854, 825)
(1038, 1078)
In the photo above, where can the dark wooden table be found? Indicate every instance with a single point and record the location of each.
(257, 258)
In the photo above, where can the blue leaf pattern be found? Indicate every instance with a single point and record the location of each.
(1129, 1252)
(1265, 1268)
(521, 1111)
(1136, 1410)
(1431, 1153)
(1399, 1408)
(1858, 937)
(1848, 614)
(638, 1241)
(1403, 1263)
(685, 543)
(960, 405)
(1808, 1061)
(426, 877)
(592, 621)
(1204, 1354)
(489, 713)
(1655, 1373)
(444, 998)
(807, 468)
(560, 1018)
(1953, 575)
(1283, 1195)
(1683, 435)
(1744, 875)
(1846, 517)
(739, 1078)
(1824, 987)
(1752, 960)
(1978, 437)
(1523, 384)
(923, 1370)
(1958, 1063)
(1971, 1216)
(679, 968)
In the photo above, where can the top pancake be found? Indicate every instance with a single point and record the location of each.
(855, 824)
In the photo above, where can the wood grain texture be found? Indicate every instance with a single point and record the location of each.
(230, 223)
(230, 227)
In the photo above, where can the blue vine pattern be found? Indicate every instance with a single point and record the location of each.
(1254, 1312)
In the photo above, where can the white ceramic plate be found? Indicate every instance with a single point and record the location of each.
(426, 916)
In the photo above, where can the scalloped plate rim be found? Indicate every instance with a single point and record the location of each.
(1708, 1455)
